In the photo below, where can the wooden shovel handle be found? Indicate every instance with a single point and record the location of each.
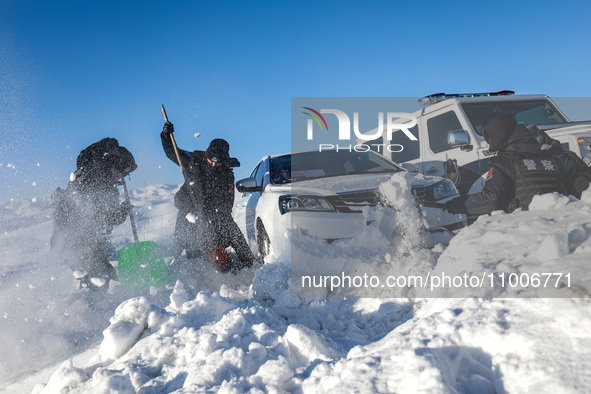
(164, 113)
(178, 159)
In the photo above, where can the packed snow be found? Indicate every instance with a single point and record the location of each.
(256, 331)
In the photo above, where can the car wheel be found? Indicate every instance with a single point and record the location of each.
(263, 241)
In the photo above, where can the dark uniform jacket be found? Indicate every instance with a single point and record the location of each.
(89, 207)
(86, 211)
(521, 170)
(213, 187)
(213, 190)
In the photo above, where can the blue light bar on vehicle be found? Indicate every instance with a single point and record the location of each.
(437, 97)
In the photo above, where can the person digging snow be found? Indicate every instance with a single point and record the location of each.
(209, 224)
(86, 211)
(526, 163)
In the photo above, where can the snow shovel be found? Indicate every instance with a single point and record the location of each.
(217, 256)
(141, 264)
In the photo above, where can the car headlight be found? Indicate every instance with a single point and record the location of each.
(585, 147)
(443, 189)
(290, 203)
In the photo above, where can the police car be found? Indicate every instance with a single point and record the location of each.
(449, 133)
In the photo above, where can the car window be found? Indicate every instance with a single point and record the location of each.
(259, 174)
(309, 173)
(280, 169)
(310, 165)
(411, 149)
(538, 112)
(377, 145)
(438, 127)
(254, 172)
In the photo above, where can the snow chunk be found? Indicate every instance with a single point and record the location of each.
(586, 195)
(308, 346)
(131, 318)
(550, 201)
(275, 372)
(65, 376)
(179, 295)
(98, 282)
(191, 217)
(398, 193)
(109, 381)
(78, 274)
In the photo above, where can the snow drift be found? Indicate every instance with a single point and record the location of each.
(248, 332)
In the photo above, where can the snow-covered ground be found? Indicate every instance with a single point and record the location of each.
(249, 333)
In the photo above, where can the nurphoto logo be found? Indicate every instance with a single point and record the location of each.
(395, 121)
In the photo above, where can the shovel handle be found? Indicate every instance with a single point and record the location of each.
(176, 149)
(131, 218)
(178, 159)
(164, 113)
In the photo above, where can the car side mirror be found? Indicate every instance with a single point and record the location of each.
(248, 185)
(459, 138)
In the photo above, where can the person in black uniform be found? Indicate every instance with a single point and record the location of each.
(524, 165)
(86, 211)
(210, 176)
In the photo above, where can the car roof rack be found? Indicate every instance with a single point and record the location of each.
(437, 97)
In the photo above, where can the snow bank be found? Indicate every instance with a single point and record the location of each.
(248, 332)
(540, 253)
(213, 342)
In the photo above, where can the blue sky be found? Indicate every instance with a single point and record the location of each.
(73, 72)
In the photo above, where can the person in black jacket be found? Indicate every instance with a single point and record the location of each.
(86, 211)
(526, 163)
(204, 220)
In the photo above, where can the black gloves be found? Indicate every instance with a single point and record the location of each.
(125, 207)
(168, 128)
(457, 205)
(117, 215)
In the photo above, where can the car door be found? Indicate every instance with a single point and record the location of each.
(438, 151)
(245, 209)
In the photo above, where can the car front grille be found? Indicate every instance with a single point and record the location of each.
(354, 201)
(422, 194)
(348, 202)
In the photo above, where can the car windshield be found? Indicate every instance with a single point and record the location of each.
(311, 165)
(538, 112)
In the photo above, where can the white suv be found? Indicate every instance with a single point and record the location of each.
(323, 193)
(449, 133)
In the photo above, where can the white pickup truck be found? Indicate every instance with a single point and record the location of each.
(449, 131)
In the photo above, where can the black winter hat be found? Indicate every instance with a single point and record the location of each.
(498, 130)
(218, 151)
(121, 159)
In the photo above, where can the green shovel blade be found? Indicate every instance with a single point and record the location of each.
(142, 265)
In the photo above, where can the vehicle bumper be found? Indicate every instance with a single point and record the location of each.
(328, 225)
(437, 218)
